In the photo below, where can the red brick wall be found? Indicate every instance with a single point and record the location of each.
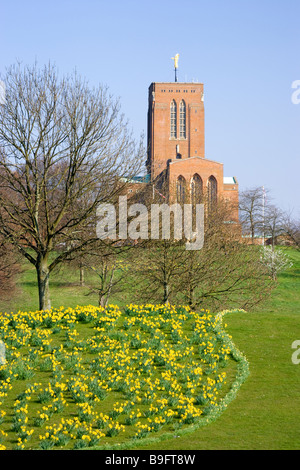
(191, 166)
(161, 146)
(231, 195)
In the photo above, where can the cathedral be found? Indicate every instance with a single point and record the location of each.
(176, 145)
(177, 167)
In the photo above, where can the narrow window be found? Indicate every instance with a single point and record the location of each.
(173, 130)
(182, 119)
(196, 189)
(180, 190)
(212, 189)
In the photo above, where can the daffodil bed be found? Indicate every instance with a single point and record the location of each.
(84, 377)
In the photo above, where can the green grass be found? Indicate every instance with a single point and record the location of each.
(266, 411)
(65, 290)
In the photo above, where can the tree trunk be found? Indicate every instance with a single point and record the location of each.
(166, 293)
(81, 275)
(43, 284)
(101, 301)
(191, 292)
(252, 234)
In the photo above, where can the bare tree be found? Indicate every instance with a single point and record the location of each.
(162, 258)
(9, 269)
(273, 224)
(157, 269)
(109, 267)
(291, 228)
(251, 203)
(225, 273)
(64, 149)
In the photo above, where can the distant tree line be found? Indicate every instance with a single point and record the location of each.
(64, 149)
(262, 219)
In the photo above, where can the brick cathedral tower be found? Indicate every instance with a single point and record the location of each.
(175, 124)
(176, 146)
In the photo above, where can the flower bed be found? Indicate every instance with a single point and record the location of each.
(89, 376)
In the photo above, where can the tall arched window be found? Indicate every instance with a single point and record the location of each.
(196, 189)
(173, 121)
(182, 120)
(180, 190)
(212, 189)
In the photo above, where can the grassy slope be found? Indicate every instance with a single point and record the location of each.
(64, 290)
(265, 414)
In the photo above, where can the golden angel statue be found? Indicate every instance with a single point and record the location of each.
(176, 60)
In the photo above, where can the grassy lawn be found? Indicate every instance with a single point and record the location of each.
(266, 411)
(64, 285)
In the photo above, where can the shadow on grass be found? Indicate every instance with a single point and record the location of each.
(290, 274)
(56, 284)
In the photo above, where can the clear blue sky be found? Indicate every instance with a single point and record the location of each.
(246, 52)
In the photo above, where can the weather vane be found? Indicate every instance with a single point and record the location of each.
(175, 65)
